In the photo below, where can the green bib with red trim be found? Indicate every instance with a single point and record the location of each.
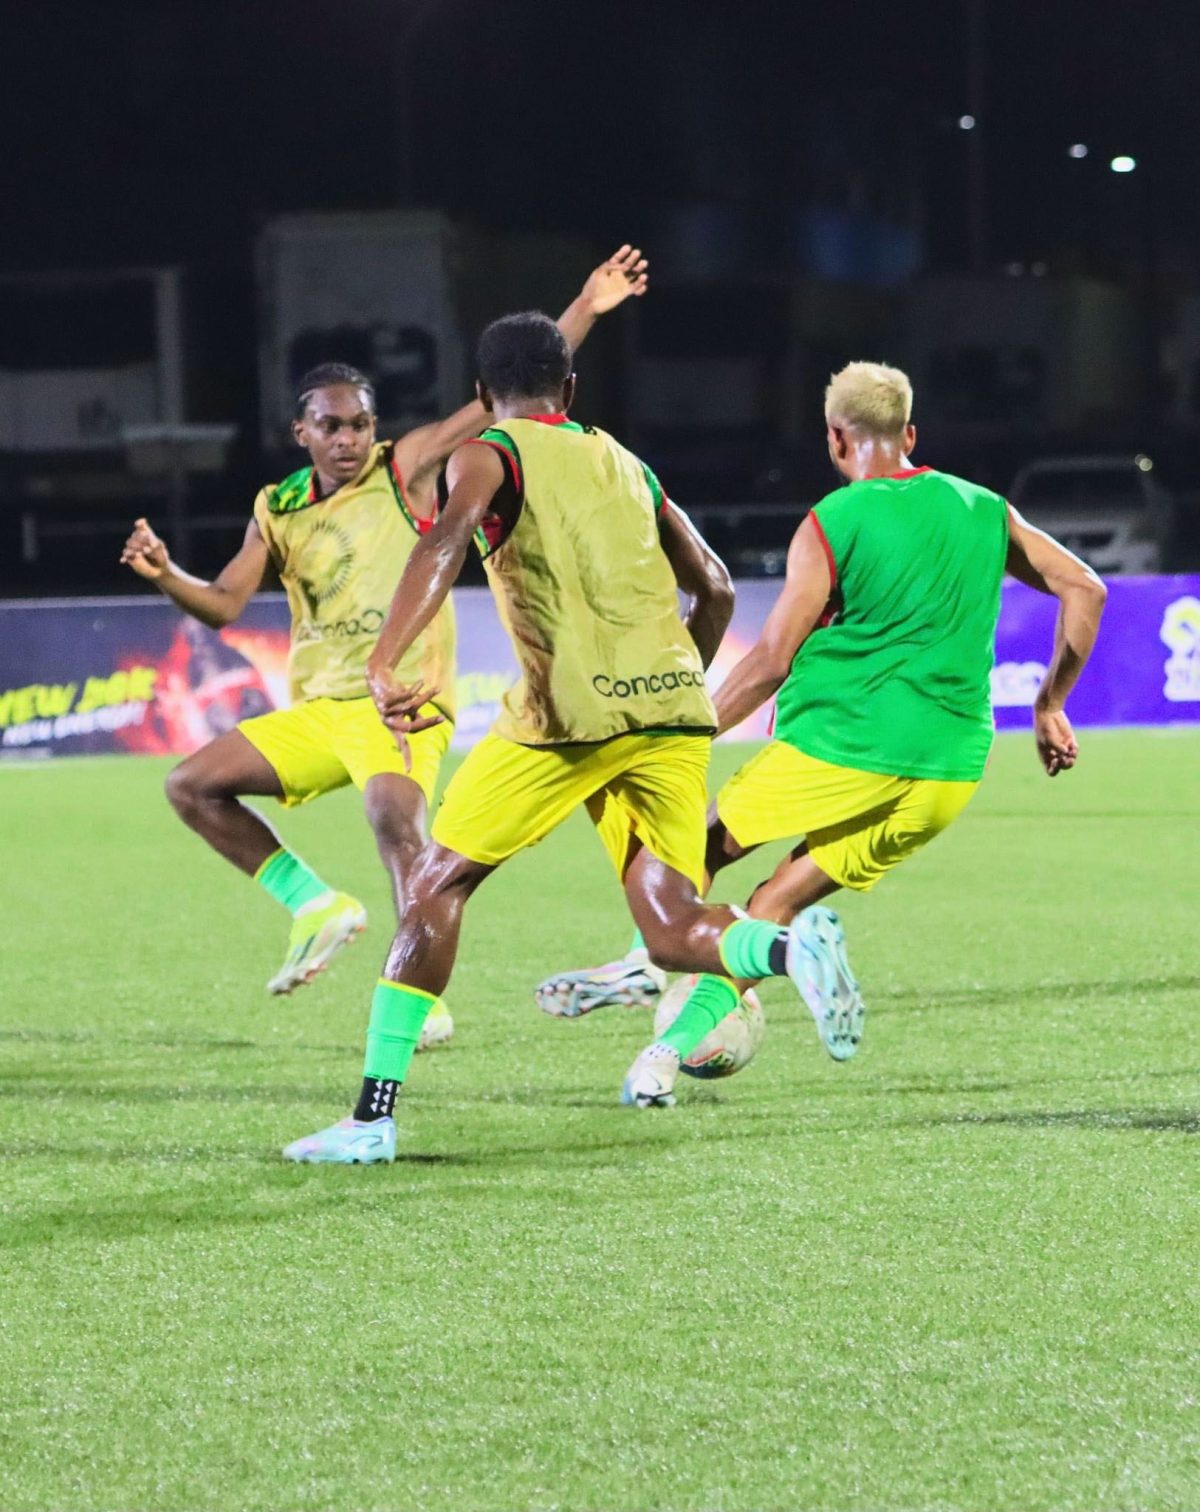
(340, 559)
(900, 682)
(588, 597)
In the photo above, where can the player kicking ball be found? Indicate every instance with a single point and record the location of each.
(879, 652)
(339, 533)
(585, 557)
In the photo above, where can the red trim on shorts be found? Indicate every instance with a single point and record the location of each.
(827, 549)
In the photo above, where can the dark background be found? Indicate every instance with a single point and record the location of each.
(139, 133)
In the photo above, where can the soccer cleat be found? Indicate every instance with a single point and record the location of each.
(650, 1079)
(817, 963)
(317, 936)
(632, 983)
(438, 1028)
(347, 1143)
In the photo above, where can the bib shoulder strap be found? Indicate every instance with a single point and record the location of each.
(292, 494)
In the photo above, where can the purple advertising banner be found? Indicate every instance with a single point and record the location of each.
(132, 674)
(1145, 668)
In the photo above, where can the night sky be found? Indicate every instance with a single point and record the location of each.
(165, 131)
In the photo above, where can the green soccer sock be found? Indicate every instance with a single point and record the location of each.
(636, 944)
(708, 1002)
(398, 1015)
(754, 948)
(289, 881)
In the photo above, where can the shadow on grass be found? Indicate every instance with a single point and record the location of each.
(1176, 1120)
(1134, 988)
(35, 1085)
(155, 1041)
(69, 1222)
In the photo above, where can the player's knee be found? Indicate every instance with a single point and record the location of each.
(398, 837)
(666, 946)
(184, 788)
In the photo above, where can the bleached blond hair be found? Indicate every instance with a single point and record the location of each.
(871, 397)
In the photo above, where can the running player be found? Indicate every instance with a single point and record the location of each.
(584, 555)
(879, 650)
(339, 533)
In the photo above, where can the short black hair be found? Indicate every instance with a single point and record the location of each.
(523, 356)
(325, 376)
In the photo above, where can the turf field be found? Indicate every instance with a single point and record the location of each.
(959, 1272)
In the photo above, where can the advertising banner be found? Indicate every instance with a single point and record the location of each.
(79, 676)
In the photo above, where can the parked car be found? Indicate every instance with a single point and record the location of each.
(1111, 511)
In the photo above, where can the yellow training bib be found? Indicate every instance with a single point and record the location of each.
(587, 595)
(340, 559)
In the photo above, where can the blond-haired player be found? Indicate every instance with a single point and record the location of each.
(879, 652)
(339, 533)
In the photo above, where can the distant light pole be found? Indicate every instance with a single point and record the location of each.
(977, 230)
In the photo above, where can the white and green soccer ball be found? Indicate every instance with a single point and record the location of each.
(730, 1047)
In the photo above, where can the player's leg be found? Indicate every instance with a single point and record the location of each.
(415, 975)
(663, 882)
(206, 790)
(503, 798)
(633, 981)
(396, 800)
(856, 853)
(780, 792)
(895, 818)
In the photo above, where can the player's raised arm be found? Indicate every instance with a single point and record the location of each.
(620, 277)
(702, 575)
(1038, 561)
(213, 604)
(763, 670)
(475, 475)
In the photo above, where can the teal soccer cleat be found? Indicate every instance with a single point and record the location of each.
(347, 1143)
(817, 964)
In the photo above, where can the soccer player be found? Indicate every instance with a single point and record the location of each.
(584, 555)
(339, 533)
(879, 652)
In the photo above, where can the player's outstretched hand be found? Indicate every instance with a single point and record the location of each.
(1056, 743)
(145, 552)
(622, 276)
(399, 706)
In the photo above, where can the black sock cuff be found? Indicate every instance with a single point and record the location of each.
(376, 1100)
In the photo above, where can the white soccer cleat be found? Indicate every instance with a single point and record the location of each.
(649, 1081)
(629, 983)
(437, 1029)
(818, 965)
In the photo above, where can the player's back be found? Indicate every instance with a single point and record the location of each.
(899, 682)
(587, 594)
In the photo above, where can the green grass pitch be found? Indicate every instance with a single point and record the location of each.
(958, 1272)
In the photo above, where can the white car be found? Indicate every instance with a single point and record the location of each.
(1111, 511)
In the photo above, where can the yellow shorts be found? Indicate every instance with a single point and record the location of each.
(324, 743)
(858, 825)
(642, 788)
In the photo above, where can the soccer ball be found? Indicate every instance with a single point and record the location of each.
(730, 1047)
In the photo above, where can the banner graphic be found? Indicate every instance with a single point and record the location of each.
(80, 676)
